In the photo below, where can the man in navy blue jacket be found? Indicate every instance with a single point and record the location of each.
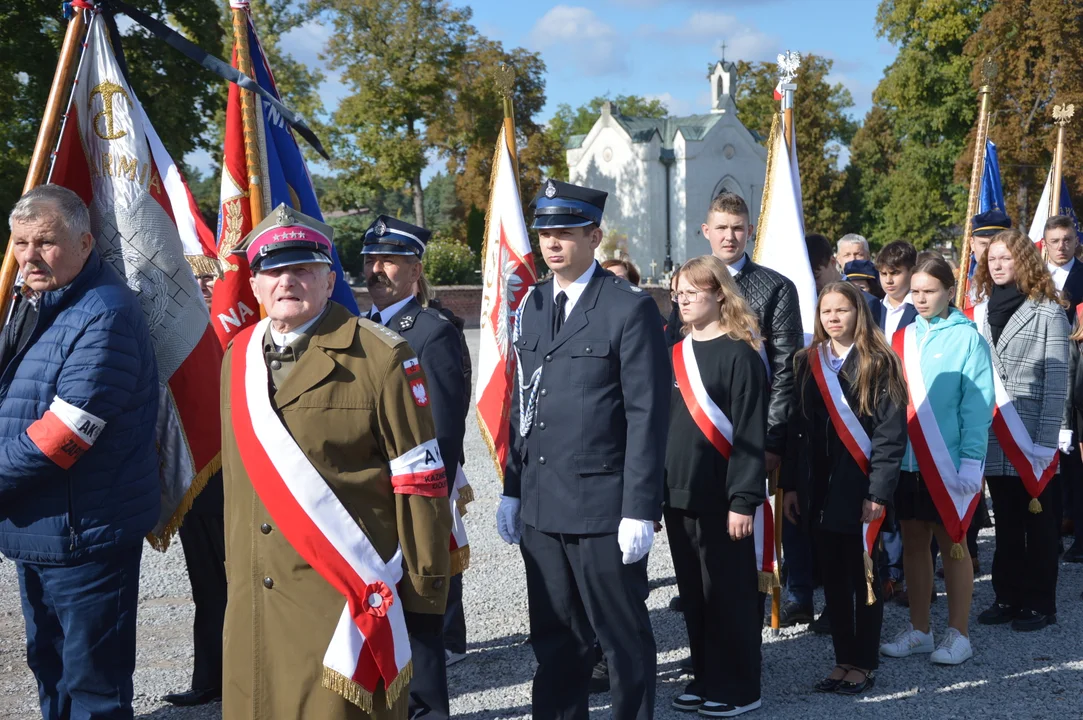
(78, 464)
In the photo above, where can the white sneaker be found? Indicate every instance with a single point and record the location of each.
(908, 642)
(954, 649)
(453, 657)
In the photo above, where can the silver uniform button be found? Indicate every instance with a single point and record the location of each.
(276, 365)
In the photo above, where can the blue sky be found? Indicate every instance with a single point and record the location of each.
(657, 48)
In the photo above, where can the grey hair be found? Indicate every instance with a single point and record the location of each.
(56, 202)
(852, 238)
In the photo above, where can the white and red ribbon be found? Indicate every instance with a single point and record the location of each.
(370, 643)
(710, 419)
(937, 467)
(1035, 464)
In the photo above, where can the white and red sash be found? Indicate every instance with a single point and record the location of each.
(847, 427)
(937, 467)
(1036, 465)
(370, 643)
(710, 419)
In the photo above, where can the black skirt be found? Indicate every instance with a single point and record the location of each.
(913, 502)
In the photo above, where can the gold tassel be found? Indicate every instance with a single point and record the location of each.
(466, 495)
(767, 582)
(1035, 506)
(338, 683)
(161, 542)
(460, 560)
(956, 552)
(399, 684)
(870, 595)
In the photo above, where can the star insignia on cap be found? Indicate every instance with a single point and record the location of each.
(380, 229)
(550, 190)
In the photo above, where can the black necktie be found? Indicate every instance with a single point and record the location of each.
(375, 317)
(562, 300)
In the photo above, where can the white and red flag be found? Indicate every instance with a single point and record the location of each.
(507, 274)
(145, 221)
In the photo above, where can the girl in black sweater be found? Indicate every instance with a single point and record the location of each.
(852, 421)
(715, 481)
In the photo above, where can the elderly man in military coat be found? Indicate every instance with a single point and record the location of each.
(337, 509)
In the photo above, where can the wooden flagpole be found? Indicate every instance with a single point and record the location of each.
(506, 82)
(962, 285)
(253, 157)
(1062, 115)
(47, 136)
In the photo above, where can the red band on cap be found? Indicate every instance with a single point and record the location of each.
(287, 234)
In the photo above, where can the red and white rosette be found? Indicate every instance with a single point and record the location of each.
(710, 419)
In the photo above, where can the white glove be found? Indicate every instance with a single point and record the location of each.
(1064, 442)
(507, 520)
(635, 538)
(970, 473)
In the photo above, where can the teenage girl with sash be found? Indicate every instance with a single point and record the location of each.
(852, 416)
(949, 377)
(1023, 320)
(715, 482)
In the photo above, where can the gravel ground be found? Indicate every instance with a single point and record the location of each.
(1012, 675)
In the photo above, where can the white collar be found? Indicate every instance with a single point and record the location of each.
(391, 311)
(576, 289)
(835, 361)
(908, 300)
(738, 266)
(281, 340)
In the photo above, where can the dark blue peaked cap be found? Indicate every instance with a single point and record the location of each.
(390, 236)
(563, 205)
(989, 223)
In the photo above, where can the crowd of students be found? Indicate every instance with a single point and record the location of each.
(906, 412)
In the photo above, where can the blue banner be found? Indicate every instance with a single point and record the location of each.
(284, 164)
(1066, 204)
(992, 190)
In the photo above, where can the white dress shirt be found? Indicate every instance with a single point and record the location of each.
(390, 312)
(835, 361)
(281, 340)
(574, 290)
(737, 266)
(1060, 274)
(893, 315)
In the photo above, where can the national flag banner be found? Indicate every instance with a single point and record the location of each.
(1041, 211)
(780, 235)
(992, 189)
(144, 222)
(507, 274)
(284, 179)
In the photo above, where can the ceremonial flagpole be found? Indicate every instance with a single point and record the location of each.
(47, 136)
(506, 82)
(253, 155)
(962, 286)
(1062, 115)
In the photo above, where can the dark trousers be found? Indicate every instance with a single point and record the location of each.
(723, 609)
(80, 634)
(855, 626)
(1071, 478)
(428, 688)
(1025, 559)
(576, 583)
(455, 617)
(797, 555)
(203, 538)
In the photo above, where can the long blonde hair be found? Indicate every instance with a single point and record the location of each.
(710, 274)
(878, 367)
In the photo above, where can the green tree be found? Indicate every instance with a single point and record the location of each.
(567, 122)
(874, 153)
(822, 129)
(397, 57)
(928, 98)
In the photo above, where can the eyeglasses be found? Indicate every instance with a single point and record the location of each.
(689, 295)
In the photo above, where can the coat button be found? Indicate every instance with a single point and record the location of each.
(541, 460)
(265, 529)
(541, 426)
(589, 351)
(276, 365)
(268, 583)
(544, 392)
(548, 358)
(437, 583)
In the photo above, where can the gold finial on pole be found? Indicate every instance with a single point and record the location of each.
(988, 72)
(505, 82)
(1062, 115)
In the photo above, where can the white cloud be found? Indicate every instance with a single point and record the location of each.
(676, 106)
(576, 38)
(743, 42)
(305, 43)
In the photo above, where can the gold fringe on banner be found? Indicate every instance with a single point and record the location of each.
(870, 578)
(1035, 506)
(359, 696)
(765, 201)
(161, 542)
(460, 560)
(768, 581)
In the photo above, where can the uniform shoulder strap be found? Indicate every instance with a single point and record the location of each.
(386, 335)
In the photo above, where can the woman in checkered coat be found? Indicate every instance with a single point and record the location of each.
(1027, 331)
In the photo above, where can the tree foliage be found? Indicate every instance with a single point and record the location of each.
(1036, 47)
(822, 127)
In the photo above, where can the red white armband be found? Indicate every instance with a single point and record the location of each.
(65, 432)
(420, 471)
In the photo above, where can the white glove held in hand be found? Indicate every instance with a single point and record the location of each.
(507, 520)
(970, 472)
(635, 538)
(1064, 442)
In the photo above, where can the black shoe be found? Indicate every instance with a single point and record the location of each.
(685, 664)
(599, 677)
(675, 604)
(1028, 621)
(794, 613)
(856, 688)
(1073, 554)
(193, 697)
(998, 614)
(822, 624)
(829, 684)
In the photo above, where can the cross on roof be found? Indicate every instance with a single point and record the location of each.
(723, 44)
